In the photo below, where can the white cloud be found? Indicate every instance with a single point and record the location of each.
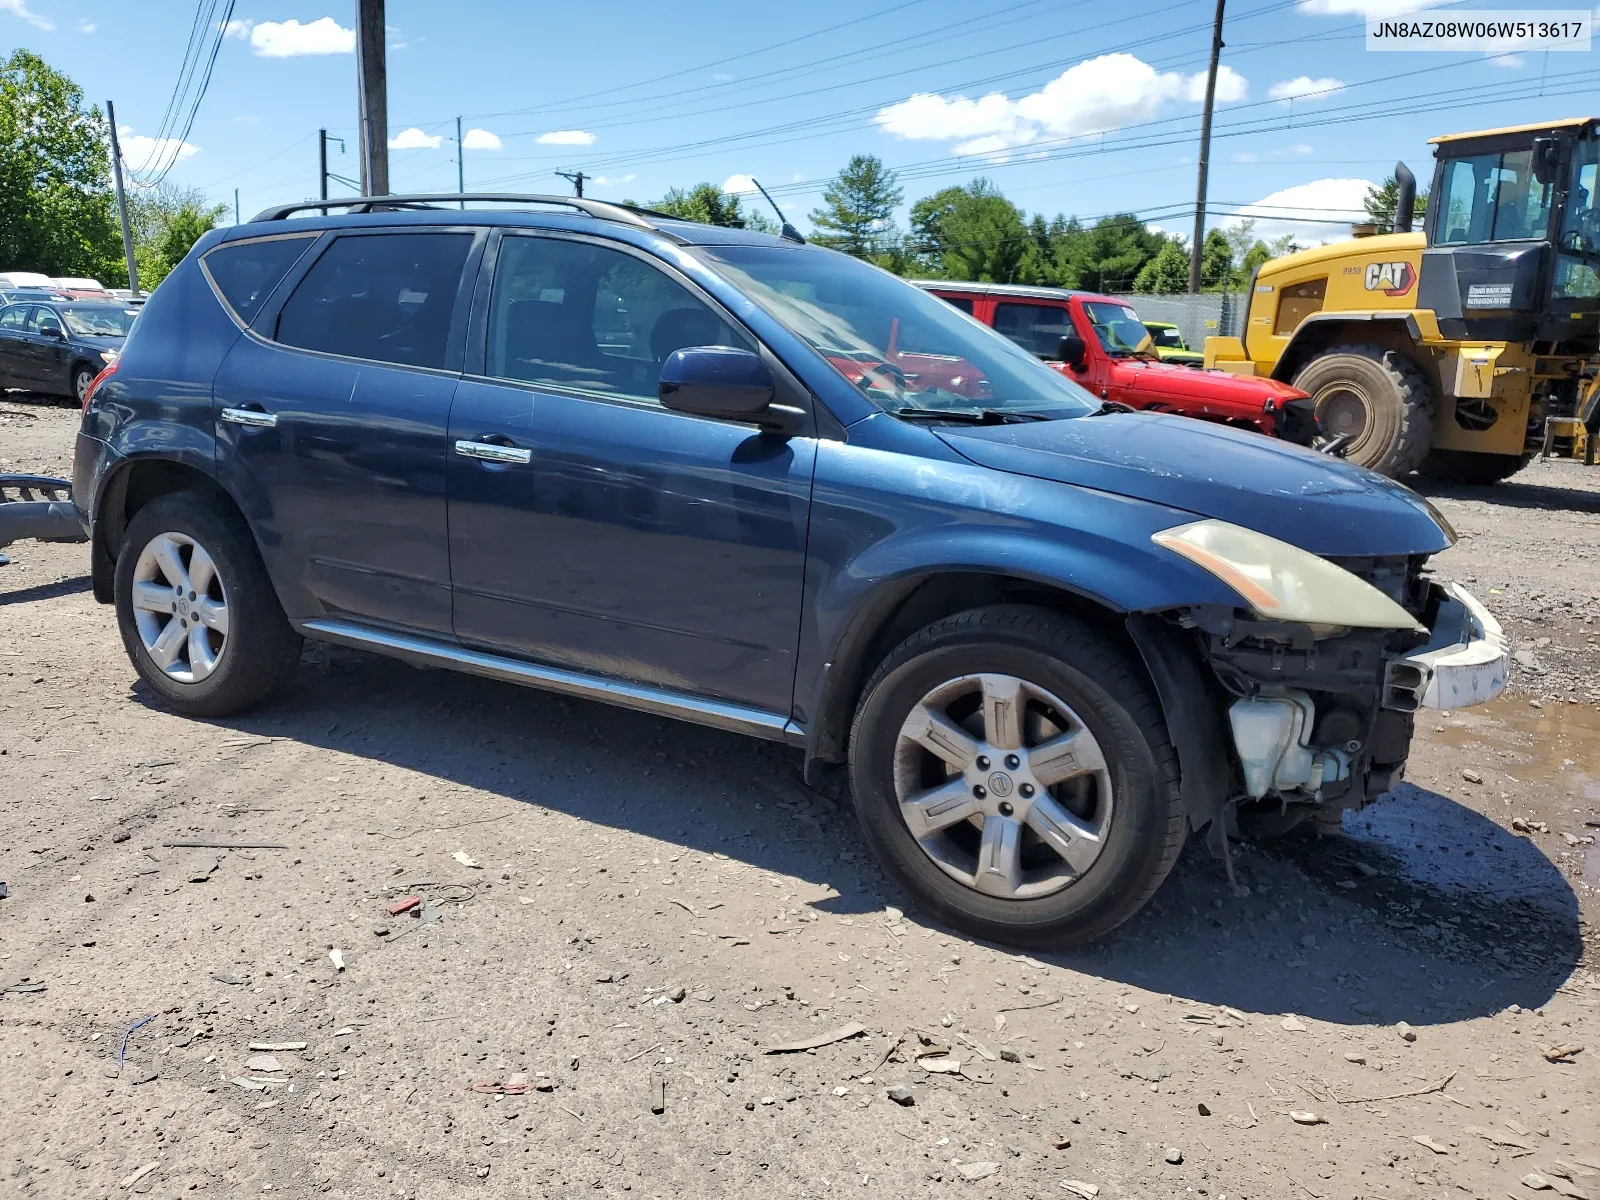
(19, 9)
(1300, 148)
(238, 28)
(566, 137)
(722, 77)
(1246, 158)
(615, 180)
(1365, 8)
(86, 26)
(1320, 211)
(290, 39)
(415, 139)
(1097, 95)
(141, 152)
(1506, 62)
(480, 139)
(1303, 87)
(740, 185)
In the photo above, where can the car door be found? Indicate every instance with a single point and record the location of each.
(592, 529)
(44, 353)
(13, 346)
(331, 415)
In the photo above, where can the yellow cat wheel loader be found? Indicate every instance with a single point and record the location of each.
(1454, 351)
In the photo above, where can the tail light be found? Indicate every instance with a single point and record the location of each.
(94, 384)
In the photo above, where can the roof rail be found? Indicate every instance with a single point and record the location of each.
(367, 204)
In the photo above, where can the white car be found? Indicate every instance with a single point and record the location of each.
(26, 279)
(78, 283)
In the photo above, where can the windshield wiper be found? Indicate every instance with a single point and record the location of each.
(968, 416)
(1108, 407)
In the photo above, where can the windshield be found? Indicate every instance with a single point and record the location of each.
(1166, 336)
(1118, 327)
(97, 320)
(897, 344)
(1578, 266)
(1493, 198)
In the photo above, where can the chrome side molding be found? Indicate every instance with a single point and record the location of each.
(426, 652)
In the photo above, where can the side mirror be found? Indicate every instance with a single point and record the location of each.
(725, 383)
(1546, 158)
(50, 329)
(1072, 351)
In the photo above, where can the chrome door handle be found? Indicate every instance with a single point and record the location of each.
(489, 452)
(248, 416)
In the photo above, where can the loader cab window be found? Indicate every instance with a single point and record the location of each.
(1492, 198)
(1578, 264)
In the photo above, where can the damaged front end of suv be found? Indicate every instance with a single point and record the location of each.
(1315, 685)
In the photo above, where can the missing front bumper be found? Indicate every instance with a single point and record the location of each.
(1466, 660)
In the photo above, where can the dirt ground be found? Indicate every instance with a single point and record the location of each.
(622, 913)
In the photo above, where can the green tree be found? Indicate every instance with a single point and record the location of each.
(1216, 263)
(970, 232)
(1254, 258)
(1167, 273)
(710, 205)
(167, 220)
(56, 208)
(858, 212)
(1380, 204)
(1106, 257)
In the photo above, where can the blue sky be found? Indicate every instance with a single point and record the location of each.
(1067, 105)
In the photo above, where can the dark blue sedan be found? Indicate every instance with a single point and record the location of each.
(58, 346)
(738, 480)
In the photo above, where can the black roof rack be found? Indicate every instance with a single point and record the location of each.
(367, 204)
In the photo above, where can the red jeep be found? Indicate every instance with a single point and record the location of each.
(1100, 343)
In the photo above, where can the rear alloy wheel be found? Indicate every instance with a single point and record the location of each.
(82, 377)
(198, 614)
(1378, 400)
(1012, 772)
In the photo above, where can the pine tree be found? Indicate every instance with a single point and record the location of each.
(859, 210)
(1167, 273)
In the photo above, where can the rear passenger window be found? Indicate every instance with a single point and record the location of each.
(11, 318)
(246, 272)
(962, 302)
(1037, 328)
(580, 316)
(387, 297)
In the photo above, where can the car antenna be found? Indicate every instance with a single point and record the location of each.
(788, 231)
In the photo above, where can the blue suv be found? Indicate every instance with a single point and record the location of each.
(747, 482)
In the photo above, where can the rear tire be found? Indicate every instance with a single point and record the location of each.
(233, 647)
(1126, 825)
(1380, 397)
(1464, 466)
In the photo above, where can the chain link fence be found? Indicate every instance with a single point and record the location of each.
(1208, 314)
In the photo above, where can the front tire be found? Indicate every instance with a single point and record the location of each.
(82, 376)
(1011, 771)
(197, 612)
(1379, 398)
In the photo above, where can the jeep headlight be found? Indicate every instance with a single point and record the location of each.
(1281, 582)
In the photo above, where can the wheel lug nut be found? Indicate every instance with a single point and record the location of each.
(983, 762)
(1026, 790)
(1005, 809)
(1012, 762)
(980, 791)
(191, 595)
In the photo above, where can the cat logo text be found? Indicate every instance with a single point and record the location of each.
(1390, 278)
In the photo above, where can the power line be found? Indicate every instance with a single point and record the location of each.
(167, 147)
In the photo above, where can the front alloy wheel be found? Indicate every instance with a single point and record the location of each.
(180, 607)
(1003, 786)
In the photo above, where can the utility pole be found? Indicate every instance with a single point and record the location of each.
(461, 167)
(236, 206)
(372, 67)
(1198, 245)
(122, 201)
(576, 179)
(322, 158)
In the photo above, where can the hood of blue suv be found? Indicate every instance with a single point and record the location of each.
(1321, 504)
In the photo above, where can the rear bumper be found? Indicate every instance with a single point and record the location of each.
(1467, 659)
(44, 511)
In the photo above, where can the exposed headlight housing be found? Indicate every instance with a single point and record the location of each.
(1281, 582)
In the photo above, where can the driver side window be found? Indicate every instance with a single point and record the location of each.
(591, 319)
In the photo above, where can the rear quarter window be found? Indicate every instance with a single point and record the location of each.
(244, 273)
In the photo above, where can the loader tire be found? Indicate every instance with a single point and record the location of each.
(1465, 466)
(1380, 398)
